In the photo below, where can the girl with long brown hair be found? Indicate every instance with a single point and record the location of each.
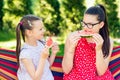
(33, 56)
(88, 51)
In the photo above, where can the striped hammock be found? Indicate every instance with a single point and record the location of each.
(8, 64)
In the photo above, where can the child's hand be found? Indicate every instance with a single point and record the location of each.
(45, 53)
(55, 48)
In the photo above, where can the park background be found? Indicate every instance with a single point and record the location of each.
(60, 17)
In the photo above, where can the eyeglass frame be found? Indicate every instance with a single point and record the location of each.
(86, 24)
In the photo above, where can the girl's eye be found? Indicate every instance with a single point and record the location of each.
(89, 24)
(41, 29)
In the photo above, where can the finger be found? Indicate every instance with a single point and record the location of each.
(98, 37)
(75, 34)
(74, 43)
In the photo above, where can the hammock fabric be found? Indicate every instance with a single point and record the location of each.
(114, 64)
(8, 64)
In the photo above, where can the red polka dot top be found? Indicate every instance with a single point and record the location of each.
(84, 67)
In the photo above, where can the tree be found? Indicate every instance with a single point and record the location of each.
(1, 14)
(27, 5)
(19, 8)
(72, 11)
(47, 12)
(14, 10)
(60, 16)
(112, 13)
(56, 18)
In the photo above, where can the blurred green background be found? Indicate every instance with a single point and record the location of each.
(60, 17)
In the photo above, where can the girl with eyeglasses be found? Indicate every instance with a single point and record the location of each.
(88, 51)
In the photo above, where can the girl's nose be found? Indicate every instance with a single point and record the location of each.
(85, 27)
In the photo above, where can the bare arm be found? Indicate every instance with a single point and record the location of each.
(67, 62)
(70, 45)
(101, 62)
(55, 49)
(36, 74)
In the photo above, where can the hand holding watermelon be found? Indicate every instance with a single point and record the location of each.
(85, 34)
(49, 42)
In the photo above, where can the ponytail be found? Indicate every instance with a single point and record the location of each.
(100, 11)
(105, 34)
(25, 24)
(18, 43)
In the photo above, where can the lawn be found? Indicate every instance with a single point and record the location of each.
(12, 43)
(9, 42)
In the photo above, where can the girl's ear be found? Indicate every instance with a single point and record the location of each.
(28, 32)
(101, 24)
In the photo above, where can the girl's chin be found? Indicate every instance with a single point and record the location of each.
(41, 38)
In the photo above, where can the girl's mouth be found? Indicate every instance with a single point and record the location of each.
(86, 34)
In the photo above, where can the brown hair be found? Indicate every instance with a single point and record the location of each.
(100, 11)
(25, 24)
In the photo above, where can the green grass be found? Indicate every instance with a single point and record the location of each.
(8, 44)
(7, 35)
(116, 43)
(61, 52)
(11, 44)
(7, 41)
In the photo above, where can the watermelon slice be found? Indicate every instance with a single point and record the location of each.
(85, 34)
(49, 42)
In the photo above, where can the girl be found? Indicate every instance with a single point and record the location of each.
(33, 56)
(87, 52)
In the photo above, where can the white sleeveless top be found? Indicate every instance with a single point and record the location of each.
(33, 53)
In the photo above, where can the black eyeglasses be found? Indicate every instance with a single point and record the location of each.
(89, 25)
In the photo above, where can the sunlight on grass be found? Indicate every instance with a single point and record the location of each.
(8, 44)
(116, 42)
(11, 44)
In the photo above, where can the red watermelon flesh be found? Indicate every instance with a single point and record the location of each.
(49, 42)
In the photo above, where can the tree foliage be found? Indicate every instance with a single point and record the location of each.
(19, 7)
(112, 14)
(72, 11)
(55, 17)
(112, 17)
(59, 16)
(14, 9)
(1, 14)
